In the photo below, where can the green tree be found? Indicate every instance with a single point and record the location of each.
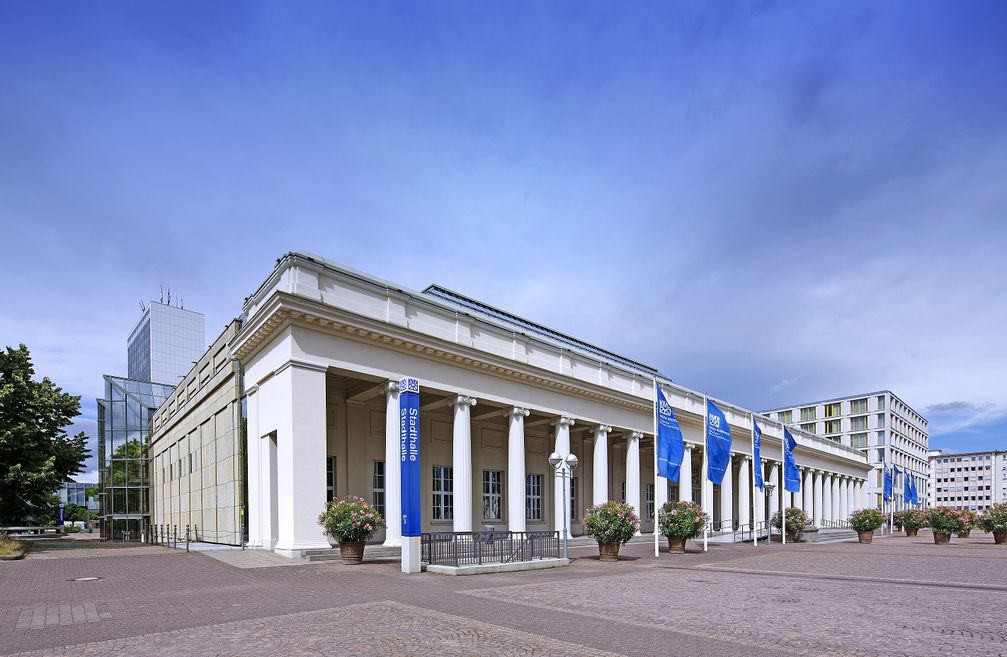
(36, 454)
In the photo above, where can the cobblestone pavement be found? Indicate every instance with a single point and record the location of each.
(888, 598)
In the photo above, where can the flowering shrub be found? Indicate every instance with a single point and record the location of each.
(611, 522)
(866, 520)
(796, 520)
(681, 519)
(897, 519)
(994, 519)
(911, 518)
(946, 520)
(969, 519)
(350, 520)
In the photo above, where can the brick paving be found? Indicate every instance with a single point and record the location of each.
(897, 596)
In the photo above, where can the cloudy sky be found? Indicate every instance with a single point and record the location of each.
(772, 203)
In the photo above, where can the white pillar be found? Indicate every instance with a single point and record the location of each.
(818, 502)
(258, 504)
(516, 520)
(298, 388)
(851, 502)
(685, 475)
(863, 502)
(562, 425)
(461, 463)
(599, 484)
(660, 489)
(840, 508)
(393, 481)
(834, 507)
(808, 489)
(744, 493)
(826, 496)
(633, 473)
(759, 502)
(727, 497)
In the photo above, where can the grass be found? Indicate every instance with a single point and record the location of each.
(9, 545)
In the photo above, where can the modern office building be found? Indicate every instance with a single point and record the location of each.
(975, 480)
(321, 354)
(879, 425)
(164, 344)
(75, 492)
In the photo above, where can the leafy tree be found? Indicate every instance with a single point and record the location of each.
(36, 454)
(75, 513)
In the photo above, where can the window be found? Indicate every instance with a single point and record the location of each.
(649, 501)
(442, 486)
(785, 416)
(833, 426)
(834, 410)
(858, 423)
(378, 487)
(623, 497)
(881, 419)
(858, 440)
(858, 406)
(808, 413)
(330, 478)
(810, 428)
(881, 438)
(573, 500)
(492, 495)
(533, 496)
(190, 462)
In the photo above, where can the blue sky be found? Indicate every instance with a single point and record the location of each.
(772, 202)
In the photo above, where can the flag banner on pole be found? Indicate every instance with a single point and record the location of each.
(888, 485)
(670, 446)
(913, 499)
(757, 454)
(791, 475)
(907, 487)
(718, 443)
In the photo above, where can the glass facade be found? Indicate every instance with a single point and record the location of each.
(123, 439)
(164, 344)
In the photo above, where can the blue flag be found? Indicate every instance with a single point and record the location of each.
(913, 499)
(757, 454)
(907, 487)
(409, 455)
(670, 447)
(791, 475)
(888, 485)
(718, 443)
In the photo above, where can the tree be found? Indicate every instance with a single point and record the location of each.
(36, 454)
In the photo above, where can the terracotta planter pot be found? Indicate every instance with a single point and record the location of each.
(942, 539)
(609, 551)
(911, 531)
(865, 537)
(676, 545)
(1000, 538)
(791, 537)
(352, 553)
(964, 534)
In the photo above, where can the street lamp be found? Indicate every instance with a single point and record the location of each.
(564, 467)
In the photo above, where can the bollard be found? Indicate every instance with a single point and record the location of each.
(187, 538)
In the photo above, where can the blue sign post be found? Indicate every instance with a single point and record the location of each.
(409, 470)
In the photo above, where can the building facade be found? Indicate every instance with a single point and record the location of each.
(164, 344)
(878, 424)
(197, 451)
(75, 492)
(321, 353)
(975, 481)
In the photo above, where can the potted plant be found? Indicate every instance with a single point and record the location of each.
(968, 522)
(944, 521)
(912, 520)
(995, 520)
(680, 521)
(351, 521)
(864, 522)
(796, 521)
(611, 524)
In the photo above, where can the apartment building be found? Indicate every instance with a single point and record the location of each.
(975, 481)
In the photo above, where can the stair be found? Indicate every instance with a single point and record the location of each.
(371, 553)
(828, 535)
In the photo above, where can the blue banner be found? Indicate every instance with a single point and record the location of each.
(670, 447)
(757, 454)
(409, 455)
(791, 475)
(887, 494)
(718, 443)
(907, 487)
(913, 499)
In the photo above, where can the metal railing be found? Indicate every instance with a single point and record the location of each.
(835, 524)
(475, 548)
(748, 531)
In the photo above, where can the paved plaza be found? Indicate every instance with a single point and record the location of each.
(898, 596)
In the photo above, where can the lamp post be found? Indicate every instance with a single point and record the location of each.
(564, 467)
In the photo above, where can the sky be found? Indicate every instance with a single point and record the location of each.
(771, 202)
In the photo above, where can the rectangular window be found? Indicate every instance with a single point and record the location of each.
(533, 496)
(881, 438)
(881, 403)
(833, 426)
(834, 409)
(442, 487)
(808, 413)
(330, 478)
(492, 495)
(858, 440)
(573, 500)
(881, 420)
(649, 501)
(810, 428)
(858, 406)
(858, 423)
(378, 487)
(785, 417)
(623, 497)
(190, 462)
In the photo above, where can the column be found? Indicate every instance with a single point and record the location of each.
(840, 506)
(759, 501)
(298, 391)
(516, 521)
(461, 463)
(851, 502)
(835, 514)
(808, 490)
(660, 489)
(706, 486)
(819, 502)
(562, 448)
(633, 473)
(685, 475)
(826, 496)
(744, 492)
(774, 479)
(599, 484)
(257, 482)
(727, 497)
(393, 483)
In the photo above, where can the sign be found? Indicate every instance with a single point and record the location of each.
(61, 520)
(670, 448)
(718, 443)
(757, 454)
(409, 455)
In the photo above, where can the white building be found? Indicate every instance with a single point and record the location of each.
(975, 481)
(879, 424)
(164, 344)
(321, 351)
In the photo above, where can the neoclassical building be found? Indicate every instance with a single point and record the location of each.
(322, 348)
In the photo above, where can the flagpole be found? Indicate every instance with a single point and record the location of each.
(703, 480)
(657, 477)
(755, 515)
(783, 480)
